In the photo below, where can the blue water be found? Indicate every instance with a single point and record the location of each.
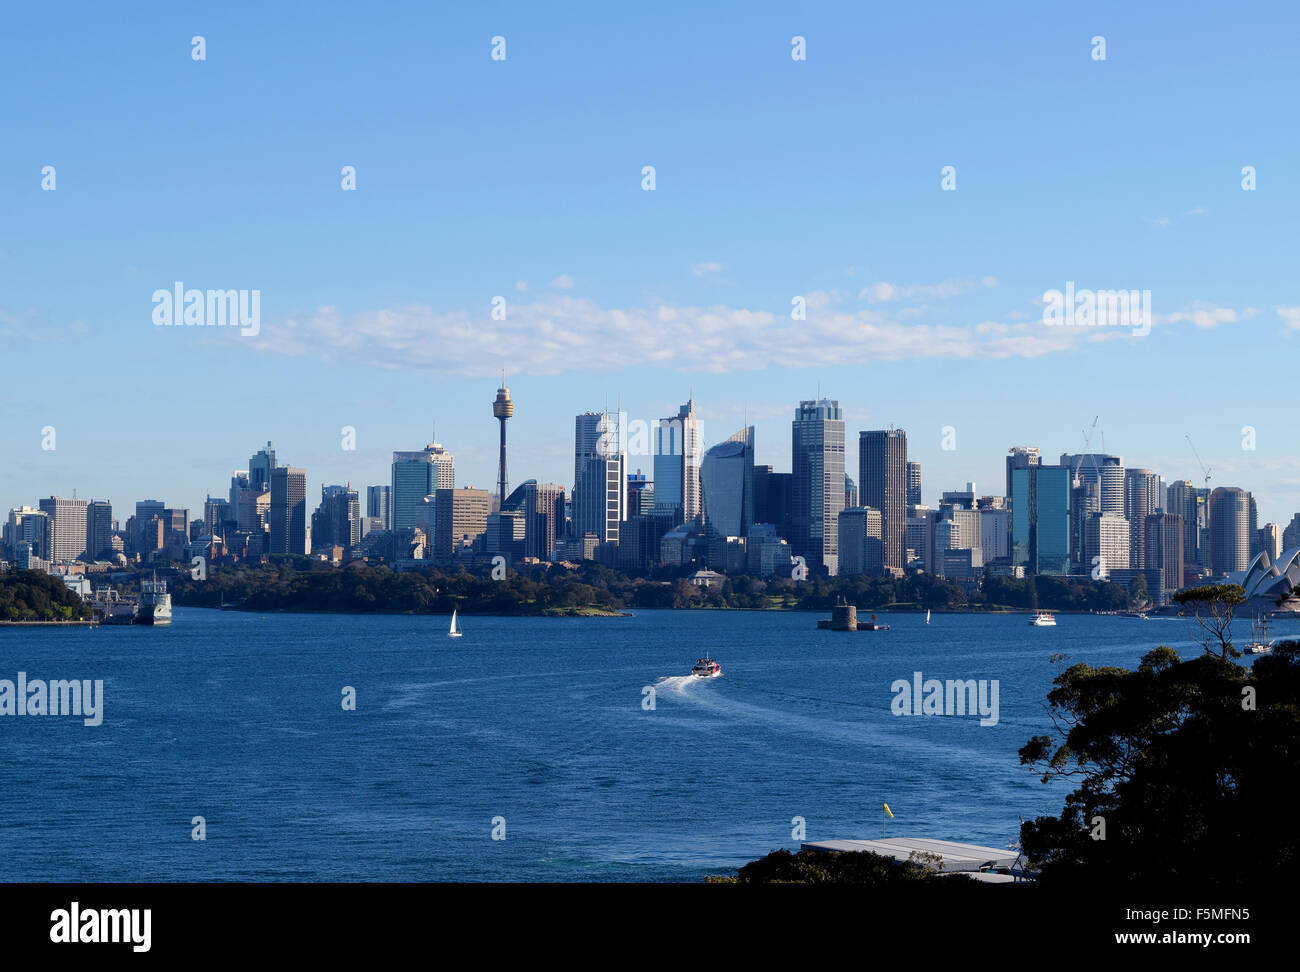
(237, 718)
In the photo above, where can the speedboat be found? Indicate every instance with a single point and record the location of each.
(706, 667)
(1043, 619)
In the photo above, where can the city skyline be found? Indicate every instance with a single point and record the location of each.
(377, 304)
(644, 463)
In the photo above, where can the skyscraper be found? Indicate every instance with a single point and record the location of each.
(1040, 518)
(913, 484)
(1184, 499)
(460, 518)
(66, 528)
(503, 408)
(542, 505)
(772, 499)
(99, 529)
(677, 464)
(288, 515)
(337, 521)
(259, 468)
(1021, 457)
(1164, 551)
(727, 484)
(817, 481)
(415, 476)
(882, 482)
(599, 487)
(379, 504)
(1144, 493)
(1229, 530)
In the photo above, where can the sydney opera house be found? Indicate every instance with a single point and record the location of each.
(1265, 580)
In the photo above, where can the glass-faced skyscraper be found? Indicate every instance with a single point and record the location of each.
(727, 484)
(415, 476)
(1040, 518)
(817, 481)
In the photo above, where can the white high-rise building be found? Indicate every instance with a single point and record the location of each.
(599, 483)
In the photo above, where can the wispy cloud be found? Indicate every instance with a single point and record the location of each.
(884, 292)
(706, 269)
(562, 282)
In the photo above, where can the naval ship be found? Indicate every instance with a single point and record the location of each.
(155, 602)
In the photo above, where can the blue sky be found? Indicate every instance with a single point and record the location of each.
(522, 178)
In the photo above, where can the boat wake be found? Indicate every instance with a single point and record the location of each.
(675, 683)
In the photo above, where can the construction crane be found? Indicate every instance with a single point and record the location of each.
(1198, 459)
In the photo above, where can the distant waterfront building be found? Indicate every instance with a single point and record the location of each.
(460, 518)
(288, 510)
(99, 529)
(1106, 543)
(677, 463)
(379, 504)
(817, 481)
(861, 544)
(1040, 518)
(1229, 530)
(503, 534)
(66, 528)
(768, 554)
(337, 521)
(599, 489)
(415, 476)
(727, 484)
(1144, 493)
(882, 478)
(914, 484)
(1163, 543)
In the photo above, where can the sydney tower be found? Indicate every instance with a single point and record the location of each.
(503, 408)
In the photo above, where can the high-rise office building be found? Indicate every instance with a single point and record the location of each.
(727, 485)
(817, 482)
(1144, 493)
(379, 504)
(460, 518)
(677, 464)
(99, 529)
(1105, 472)
(1291, 535)
(850, 493)
(542, 505)
(772, 499)
(288, 511)
(1164, 551)
(29, 525)
(860, 546)
(1184, 499)
(415, 476)
(882, 482)
(1106, 543)
(66, 528)
(913, 483)
(599, 488)
(259, 468)
(1021, 457)
(1229, 530)
(1270, 541)
(337, 521)
(1040, 518)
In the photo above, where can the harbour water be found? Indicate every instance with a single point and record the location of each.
(538, 728)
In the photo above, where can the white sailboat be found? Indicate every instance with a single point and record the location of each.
(454, 631)
(927, 616)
